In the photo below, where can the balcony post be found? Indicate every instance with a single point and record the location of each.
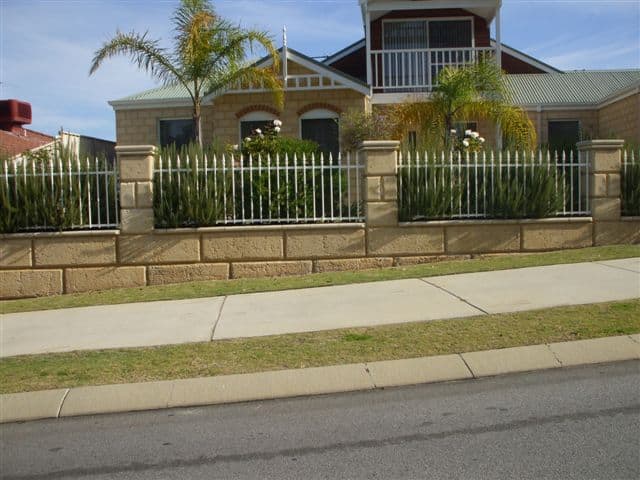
(367, 30)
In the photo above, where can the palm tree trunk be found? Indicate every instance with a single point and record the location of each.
(197, 130)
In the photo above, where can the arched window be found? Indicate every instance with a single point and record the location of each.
(321, 126)
(253, 120)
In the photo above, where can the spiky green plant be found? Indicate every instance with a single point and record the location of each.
(631, 186)
(464, 186)
(237, 188)
(209, 54)
(54, 190)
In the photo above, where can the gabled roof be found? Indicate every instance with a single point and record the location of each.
(520, 55)
(575, 88)
(15, 143)
(176, 95)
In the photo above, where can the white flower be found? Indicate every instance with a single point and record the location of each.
(258, 131)
(248, 139)
(453, 131)
(465, 143)
(277, 123)
(468, 133)
(481, 139)
(276, 129)
(236, 147)
(474, 135)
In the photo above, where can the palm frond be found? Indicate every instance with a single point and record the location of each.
(145, 53)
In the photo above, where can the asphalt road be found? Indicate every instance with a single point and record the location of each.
(564, 424)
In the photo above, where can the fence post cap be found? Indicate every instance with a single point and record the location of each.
(123, 150)
(379, 145)
(605, 144)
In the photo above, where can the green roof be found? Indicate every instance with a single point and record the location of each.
(576, 87)
(168, 92)
(582, 87)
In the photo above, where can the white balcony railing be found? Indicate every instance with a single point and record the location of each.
(418, 70)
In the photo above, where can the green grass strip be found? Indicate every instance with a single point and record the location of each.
(234, 287)
(409, 340)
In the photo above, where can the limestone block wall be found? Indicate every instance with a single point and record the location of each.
(220, 120)
(39, 264)
(621, 119)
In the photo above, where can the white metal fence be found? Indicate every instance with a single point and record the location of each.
(57, 191)
(417, 70)
(244, 190)
(630, 183)
(457, 185)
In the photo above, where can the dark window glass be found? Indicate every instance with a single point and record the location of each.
(563, 135)
(324, 132)
(412, 139)
(405, 35)
(248, 128)
(178, 132)
(450, 34)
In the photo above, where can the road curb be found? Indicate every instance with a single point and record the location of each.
(58, 403)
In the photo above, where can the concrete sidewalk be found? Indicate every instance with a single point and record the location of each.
(358, 305)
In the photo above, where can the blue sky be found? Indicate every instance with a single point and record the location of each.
(46, 46)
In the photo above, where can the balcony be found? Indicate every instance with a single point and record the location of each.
(417, 70)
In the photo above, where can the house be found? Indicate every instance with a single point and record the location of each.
(15, 140)
(405, 45)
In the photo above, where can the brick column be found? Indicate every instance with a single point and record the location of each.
(380, 182)
(135, 164)
(605, 162)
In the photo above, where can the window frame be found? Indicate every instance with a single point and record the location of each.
(167, 119)
(255, 116)
(427, 20)
(320, 114)
(565, 120)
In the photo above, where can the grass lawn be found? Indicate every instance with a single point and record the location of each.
(232, 287)
(41, 372)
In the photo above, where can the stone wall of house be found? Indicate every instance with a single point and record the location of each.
(221, 119)
(588, 121)
(621, 119)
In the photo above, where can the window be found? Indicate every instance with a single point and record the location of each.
(563, 135)
(176, 131)
(321, 126)
(417, 34)
(450, 34)
(254, 120)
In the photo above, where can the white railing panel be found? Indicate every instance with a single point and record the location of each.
(280, 189)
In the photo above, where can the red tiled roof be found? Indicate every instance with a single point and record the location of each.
(15, 143)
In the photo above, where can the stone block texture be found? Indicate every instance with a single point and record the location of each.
(65, 251)
(242, 246)
(351, 264)
(483, 239)
(154, 249)
(406, 241)
(30, 283)
(270, 269)
(15, 253)
(164, 274)
(557, 236)
(331, 243)
(103, 278)
(610, 233)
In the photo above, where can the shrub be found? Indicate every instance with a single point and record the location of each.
(53, 190)
(357, 126)
(631, 189)
(270, 142)
(434, 190)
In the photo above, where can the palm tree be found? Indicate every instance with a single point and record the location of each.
(209, 55)
(477, 91)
